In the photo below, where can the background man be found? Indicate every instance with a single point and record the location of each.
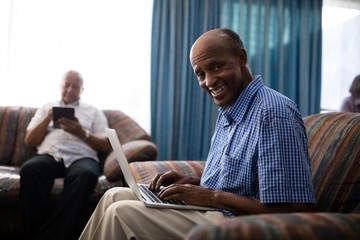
(68, 152)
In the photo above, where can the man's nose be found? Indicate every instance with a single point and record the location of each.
(209, 80)
(71, 88)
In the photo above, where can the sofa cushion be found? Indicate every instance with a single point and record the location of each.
(137, 150)
(334, 148)
(318, 226)
(10, 187)
(126, 128)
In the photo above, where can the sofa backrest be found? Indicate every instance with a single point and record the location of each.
(13, 123)
(126, 128)
(14, 120)
(334, 148)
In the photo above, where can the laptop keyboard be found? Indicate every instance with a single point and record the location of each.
(153, 196)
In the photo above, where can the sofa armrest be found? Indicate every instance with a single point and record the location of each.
(145, 171)
(281, 227)
(136, 150)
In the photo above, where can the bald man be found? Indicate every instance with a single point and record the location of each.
(258, 161)
(69, 152)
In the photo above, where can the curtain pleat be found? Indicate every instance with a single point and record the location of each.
(283, 41)
(182, 116)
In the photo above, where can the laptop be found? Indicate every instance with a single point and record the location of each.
(141, 191)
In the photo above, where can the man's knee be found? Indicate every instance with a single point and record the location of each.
(119, 194)
(85, 168)
(28, 167)
(82, 177)
(126, 210)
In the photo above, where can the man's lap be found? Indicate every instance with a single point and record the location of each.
(121, 202)
(46, 163)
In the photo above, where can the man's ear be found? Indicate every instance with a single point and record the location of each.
(243, 57)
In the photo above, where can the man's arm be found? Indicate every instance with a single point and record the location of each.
(74, 127)
(239, 205)
(243, 205)
(186, 188)
(97, 143)
(34, 136)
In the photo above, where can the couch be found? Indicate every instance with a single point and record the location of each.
(136, 142)
(334, 148)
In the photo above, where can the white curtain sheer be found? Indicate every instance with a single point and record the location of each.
(108, 41)
(340, 51)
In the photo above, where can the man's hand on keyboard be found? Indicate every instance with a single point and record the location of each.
(189, 193)
(170, 177)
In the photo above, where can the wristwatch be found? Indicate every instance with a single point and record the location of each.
(87, 134)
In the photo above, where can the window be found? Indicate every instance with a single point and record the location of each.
(340, 51)
(108, 42)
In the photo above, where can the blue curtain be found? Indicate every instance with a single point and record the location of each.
(182, 115)
(283, 40)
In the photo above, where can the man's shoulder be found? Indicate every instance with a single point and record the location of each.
(348, 99)
(49, 105)
(271, 96)
(90, 109)
(88, 106)
(275, 104)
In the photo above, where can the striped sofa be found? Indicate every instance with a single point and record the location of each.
(334, 147)
(136, 142)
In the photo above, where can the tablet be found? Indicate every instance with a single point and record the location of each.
(60, 112)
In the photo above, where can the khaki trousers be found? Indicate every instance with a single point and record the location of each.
(120, 215)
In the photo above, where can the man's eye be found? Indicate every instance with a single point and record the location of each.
(216, 67)
(200, 76)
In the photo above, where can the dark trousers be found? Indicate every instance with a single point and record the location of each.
(37, 177)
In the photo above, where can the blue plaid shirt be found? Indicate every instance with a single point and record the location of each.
(259, 149)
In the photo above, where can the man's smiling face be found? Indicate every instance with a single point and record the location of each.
(218, 69)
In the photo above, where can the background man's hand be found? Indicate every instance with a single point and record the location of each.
(71, 126)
